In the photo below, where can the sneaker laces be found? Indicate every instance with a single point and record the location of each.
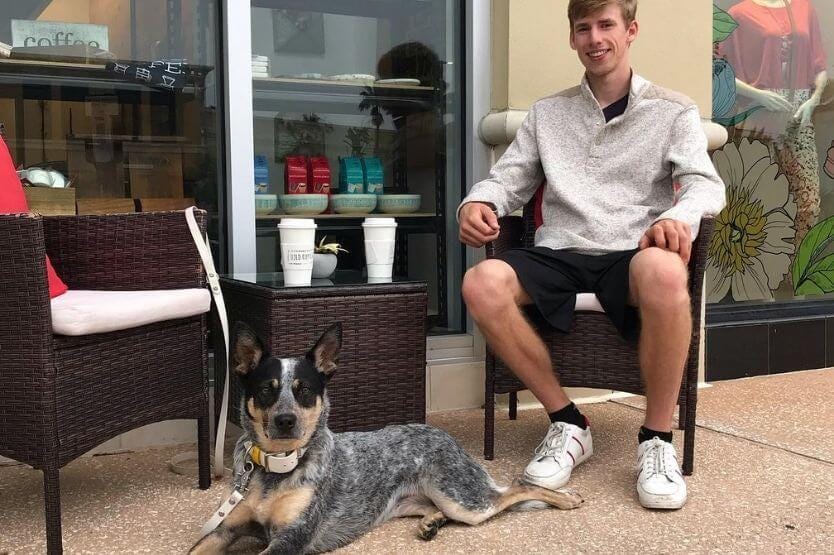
(659, 459)
(553, 444)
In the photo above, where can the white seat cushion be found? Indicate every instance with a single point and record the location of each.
(588, 301)
(86, 312)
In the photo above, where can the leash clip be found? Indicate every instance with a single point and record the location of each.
(242, 482)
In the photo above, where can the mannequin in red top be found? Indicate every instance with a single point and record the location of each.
(780, 64)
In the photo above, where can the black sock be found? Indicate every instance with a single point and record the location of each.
(647, 434)
(571, 415)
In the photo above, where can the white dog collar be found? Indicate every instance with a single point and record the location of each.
(280, 463)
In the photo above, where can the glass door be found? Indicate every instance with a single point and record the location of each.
(357, 113)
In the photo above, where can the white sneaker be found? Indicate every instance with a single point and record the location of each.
(660, 484)
(564, 447)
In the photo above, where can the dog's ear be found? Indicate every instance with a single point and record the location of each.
(325, 354)
(247, 349)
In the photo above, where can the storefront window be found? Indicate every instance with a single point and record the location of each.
(111, 105)
(771, 71)
(365, 97)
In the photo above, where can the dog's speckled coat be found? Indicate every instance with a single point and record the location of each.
(346, 484)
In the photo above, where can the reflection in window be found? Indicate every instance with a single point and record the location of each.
(117, 97)
(770, 73)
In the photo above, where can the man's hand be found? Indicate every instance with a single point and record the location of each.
(669, 235)
(478, 224)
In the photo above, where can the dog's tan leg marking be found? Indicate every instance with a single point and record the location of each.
(517, 493)
(213, 543)
(287, 506)
(430, 524)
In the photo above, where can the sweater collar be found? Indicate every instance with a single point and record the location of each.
(637, 89)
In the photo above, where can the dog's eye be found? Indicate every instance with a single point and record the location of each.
(266, 390)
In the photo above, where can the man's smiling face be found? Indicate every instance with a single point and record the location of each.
(602, 39)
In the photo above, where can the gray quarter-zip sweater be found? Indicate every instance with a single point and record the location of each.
(607, 183)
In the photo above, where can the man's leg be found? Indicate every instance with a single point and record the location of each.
(493, 296)
(658, 286)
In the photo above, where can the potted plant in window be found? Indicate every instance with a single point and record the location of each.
(324, 258)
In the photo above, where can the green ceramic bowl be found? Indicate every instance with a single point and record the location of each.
(353, 203)
(304, 204)
(265, 203)
(399, 204)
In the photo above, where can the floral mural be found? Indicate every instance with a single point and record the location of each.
(762, 238)
(751, 248)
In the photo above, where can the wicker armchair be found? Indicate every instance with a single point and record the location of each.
(593, 354)
(61, 396)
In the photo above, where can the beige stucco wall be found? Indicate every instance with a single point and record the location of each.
(530, 47)
(500, 35)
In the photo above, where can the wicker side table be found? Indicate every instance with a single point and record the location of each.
(381, 377)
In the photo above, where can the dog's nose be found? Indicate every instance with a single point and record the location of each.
(285, 422)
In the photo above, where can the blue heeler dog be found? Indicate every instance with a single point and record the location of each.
(307, 490)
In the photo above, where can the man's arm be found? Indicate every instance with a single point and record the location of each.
(701, 189)
(515, 177)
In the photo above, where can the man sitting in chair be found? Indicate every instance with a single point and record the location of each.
(627, 179)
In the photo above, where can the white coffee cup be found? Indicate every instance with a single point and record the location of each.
(298, 241)
(379, 246)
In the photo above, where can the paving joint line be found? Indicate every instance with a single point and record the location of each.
(736, 434)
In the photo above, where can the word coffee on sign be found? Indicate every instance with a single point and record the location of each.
(58, 33)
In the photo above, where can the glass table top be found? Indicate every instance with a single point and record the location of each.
(340, 278)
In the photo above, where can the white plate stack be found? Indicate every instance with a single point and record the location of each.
(260, 67)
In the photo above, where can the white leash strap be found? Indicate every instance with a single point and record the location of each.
(214, 282)
(221, 513)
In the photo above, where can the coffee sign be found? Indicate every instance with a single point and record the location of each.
(58, 33)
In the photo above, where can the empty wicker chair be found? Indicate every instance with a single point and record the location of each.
(593, 354)
(62, 395)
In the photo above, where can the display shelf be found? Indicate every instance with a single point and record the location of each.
(363, 8)
(72, 76)
(337, 97)
(276, 217)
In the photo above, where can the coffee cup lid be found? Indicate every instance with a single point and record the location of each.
(296, 223)
(379, 222)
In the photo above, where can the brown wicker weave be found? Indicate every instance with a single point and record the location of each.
(593, 354)
(61, 396)
(381, 377)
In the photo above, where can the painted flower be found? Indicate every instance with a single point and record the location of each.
(749, 254)
(723, 88)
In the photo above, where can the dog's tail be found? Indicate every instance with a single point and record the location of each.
(524, 505)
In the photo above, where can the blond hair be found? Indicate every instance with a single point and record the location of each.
(577, 9)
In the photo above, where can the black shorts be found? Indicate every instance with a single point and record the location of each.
(552, 279)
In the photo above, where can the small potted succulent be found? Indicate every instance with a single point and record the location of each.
(324, 258)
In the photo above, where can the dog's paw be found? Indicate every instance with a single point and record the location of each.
(428, 529)
(569, 498)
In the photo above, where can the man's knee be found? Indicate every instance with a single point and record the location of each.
(658, 278)
(488, 285)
